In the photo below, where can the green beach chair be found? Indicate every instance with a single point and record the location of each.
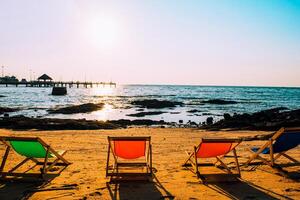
(33, 149)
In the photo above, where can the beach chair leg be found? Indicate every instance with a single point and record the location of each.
(196, 163)
(148, 161)
(271, 153)
(4, 158)
(264, 161)
(236, 161)
(19, 165)
(34, 160)
(150, 148)
(290, 158)
(224, 165)
(53, 164)
(107, 160)
(189, 161)
(189, 158)
(278, 156)
(256, 154)
(43, 169)
(59, 156)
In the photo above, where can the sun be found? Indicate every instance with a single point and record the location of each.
(103, 32)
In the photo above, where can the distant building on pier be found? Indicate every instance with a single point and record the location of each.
(45, 78)
(9, 79)
(23, 80)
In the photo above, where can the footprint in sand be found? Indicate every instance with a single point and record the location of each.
(75, 172)
(95, 194)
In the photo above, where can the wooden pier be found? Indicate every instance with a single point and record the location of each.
(69, 84)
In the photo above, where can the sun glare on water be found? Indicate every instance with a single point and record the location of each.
(103, 114)
(103, 91)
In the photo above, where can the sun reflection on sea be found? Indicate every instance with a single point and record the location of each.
(103, 90)
(103, 114)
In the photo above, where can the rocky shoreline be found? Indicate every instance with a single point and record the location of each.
(271, 119)
(27, 123)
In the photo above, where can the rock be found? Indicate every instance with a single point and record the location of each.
(219, 101)
(209, 120)
(59, 91)
(138, 122)
(143, 114)
(83, 108)
(5, 110)
(192, 124)
(154, 103)
(146, 122)
(271, 119)
(25, 123)
(227, 116)
(193, 111)
(180, 121)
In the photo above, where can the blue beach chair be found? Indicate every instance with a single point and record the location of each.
(282, 141)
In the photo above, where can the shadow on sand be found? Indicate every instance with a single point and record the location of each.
(22, 188)
(281, 170)
(244, 190)
(151, 189)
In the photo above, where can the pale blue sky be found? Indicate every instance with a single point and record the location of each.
(153, 42)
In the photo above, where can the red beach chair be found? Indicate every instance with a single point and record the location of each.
(132, 157)
(214, 148)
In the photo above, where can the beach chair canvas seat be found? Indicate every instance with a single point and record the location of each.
(214, 148)
(282, 141)
(33, 149)
(132, 157)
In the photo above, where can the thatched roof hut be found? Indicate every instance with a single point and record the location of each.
(45, 77)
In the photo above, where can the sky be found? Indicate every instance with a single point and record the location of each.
(192, 42)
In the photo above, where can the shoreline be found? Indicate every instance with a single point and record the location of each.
(271, 119)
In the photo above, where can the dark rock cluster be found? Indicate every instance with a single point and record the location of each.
(6, 110)
(83, 108)
(143, 114)
(156, 104)
(220, 101)
(26, 123)
(271, 119)
(193, 111)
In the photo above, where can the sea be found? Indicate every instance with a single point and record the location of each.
(34, 101)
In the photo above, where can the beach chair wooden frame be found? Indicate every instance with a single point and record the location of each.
(114, 170)
(53, 159)
(193, 161)
(269, 144)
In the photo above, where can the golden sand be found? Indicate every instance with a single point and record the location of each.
(87, 151)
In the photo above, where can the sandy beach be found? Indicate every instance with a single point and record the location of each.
(87, 151)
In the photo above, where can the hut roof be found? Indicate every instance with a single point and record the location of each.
(44, 77)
